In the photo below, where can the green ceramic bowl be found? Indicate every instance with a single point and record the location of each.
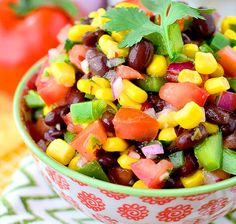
(111, 203)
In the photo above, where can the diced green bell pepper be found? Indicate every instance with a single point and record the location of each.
(232, 83)
(151, 84)
(175, 37)
(34, 100)
(69, 136)
(86, 112)
(209, 152)
(93, 169)
(206, 48)
(229, 161)
(219, 41)
(177, 159)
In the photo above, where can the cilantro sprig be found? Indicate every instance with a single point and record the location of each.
(139, 25)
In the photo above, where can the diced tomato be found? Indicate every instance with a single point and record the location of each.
(74, 128)
(50, 90)
(152, 174)
(228, 61)
(77, 54)
(126, 72)
(140, 5)
(134, 124)
(80, 143)
(178, 94)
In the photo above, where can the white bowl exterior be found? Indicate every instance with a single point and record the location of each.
(115, 208)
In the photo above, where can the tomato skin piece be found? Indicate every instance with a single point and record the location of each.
(95, 129)
(50, 90)
(126, 72)
(152, 174)
(134, 124)
(228, 61)
(77, 54)
(178, 94)
(74, 128)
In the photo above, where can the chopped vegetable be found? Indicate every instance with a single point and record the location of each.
(177, 159)
(227, 101)
(86, 112)
(33, 100)
(153, 149)
(219, 41)
(69, 137)
(150, 83)
(93, 169)
(229, 161)
(209, 152)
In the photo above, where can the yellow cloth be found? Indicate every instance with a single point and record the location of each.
(12, 148)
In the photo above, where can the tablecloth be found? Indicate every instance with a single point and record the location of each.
(28, 199)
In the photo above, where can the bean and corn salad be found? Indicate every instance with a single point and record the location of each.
(145, 115)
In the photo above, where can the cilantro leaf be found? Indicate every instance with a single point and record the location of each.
(132, 19)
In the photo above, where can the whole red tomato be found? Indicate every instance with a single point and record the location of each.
(25, 39)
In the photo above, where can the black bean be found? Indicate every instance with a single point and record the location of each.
(121, 176)
(56, 116)
(190, 138)
(53, 134)
(107, 159)
(141, 55)
(90, 39)
(189, 166)
(173, 182)
(42, 144)
(186, 38)
(107, 119)
(157, 103)
(216, 115)
(229, 128)
(97, 62)
(74, 96)
(204, 28)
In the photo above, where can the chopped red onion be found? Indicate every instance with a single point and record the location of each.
(151, 112)
(210, 178)
(115, 62)
(110, 75)
(227, 101)
(117, 87)
(133, 154)
(151, 151)
(52, 54)
(176, 68)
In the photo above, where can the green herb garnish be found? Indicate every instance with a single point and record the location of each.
(139, 25)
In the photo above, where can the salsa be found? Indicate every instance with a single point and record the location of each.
(147, 103)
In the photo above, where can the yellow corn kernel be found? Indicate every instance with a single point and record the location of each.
(211, 128)
(104, 94)
(193, 180)
(110, 48)
(119, 36)
(190, 115)
(140, 184)
(167, 134)
(102, 82)
(230, 34)
(115, 144)
(167, 119)
(125, 5)
(158, 66)
(219, 71)
(63, 73)
(234, 48)
(125, 101)
(134, 92)
(216, 85)
(125, 161)
(205, 63)
(77, 32)
(190, 50)
(61, 151)
(187, 75)
(87, 86)
(227, 21)
(74, 163)
(99, 21)
(99, 12)
(46, 110)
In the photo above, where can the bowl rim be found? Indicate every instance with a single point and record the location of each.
(91, 181)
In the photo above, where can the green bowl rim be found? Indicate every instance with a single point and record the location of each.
(91, 181)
